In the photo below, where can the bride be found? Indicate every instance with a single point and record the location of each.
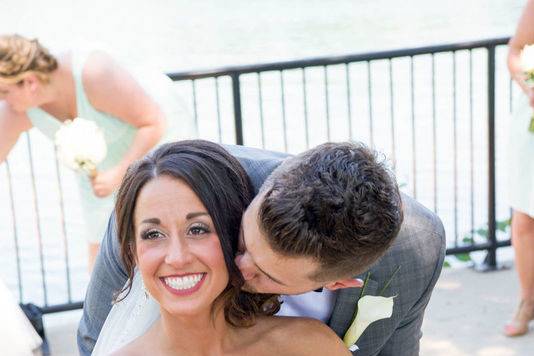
(178, 216)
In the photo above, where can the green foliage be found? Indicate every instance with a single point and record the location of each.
(464, 257)
(483, 233)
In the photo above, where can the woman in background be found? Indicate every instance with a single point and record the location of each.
(521, 184)
(135, 113)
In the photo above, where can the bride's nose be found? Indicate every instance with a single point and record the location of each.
(178, 253)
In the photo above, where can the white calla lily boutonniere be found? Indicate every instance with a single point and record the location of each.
(371, 308)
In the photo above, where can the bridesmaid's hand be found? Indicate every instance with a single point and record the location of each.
(106, 182)
(530, 94)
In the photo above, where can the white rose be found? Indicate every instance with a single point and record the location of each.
(527, 58)
(81, 145)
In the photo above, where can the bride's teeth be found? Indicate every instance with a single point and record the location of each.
(186, 282)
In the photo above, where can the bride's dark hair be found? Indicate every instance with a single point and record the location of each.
(224, 188)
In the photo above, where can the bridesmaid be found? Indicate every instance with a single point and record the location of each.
(521, 149)
(135, 113)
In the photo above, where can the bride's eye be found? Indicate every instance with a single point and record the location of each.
(151, 235)
(198, 229)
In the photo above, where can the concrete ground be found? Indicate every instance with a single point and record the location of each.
(467, 312)
(464, 318)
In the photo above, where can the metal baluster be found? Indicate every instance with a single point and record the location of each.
(349, 107)
(392, 116)
(282, 98)
(218, 102)
(195, 112)
(434, 136)
(63, 227)
(236, 92)
(260, 103)
(305, 106)
(15, 231)
(327, 107)
(455, 147)
(491, 258)
(471, 148)
(37, 219)
(412, 101)
(370, 97)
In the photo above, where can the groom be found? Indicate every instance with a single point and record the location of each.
(319, 219)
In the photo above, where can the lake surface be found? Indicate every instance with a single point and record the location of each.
(181, 35)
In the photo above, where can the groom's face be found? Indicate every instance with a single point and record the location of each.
(266, 271)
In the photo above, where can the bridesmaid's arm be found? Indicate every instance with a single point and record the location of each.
(12, 124)
(111, 89)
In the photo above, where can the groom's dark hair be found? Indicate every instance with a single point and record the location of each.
(223, 187)
(337, 203)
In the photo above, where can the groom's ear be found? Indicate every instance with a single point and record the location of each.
(344, 283)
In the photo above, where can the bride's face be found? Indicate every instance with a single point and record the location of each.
(178, 251)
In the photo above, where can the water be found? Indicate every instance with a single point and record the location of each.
(180, 35)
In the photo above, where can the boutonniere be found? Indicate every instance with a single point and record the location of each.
(370, 309)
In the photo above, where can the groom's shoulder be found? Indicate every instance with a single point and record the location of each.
(420, 242)
(420, 224)
(257, 163)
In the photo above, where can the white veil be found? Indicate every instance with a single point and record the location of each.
(127, 320)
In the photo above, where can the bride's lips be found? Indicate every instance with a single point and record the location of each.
(183, 285)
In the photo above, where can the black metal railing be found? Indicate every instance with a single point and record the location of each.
(432, 110)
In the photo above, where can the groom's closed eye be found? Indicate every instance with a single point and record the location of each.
(245, 250)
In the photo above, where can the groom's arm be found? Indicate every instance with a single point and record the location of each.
(406, 338)
(108, 277)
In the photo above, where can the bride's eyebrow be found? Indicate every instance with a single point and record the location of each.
(154, 221)
(196, 214)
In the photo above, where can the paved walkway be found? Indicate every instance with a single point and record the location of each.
(464, 318)
(467, 312)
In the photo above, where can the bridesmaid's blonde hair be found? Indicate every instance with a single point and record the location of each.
(20, 56)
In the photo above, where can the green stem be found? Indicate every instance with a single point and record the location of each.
(365, 284)
(388, 282)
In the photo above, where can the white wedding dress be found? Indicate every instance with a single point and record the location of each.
(127, 320)
(17, 335)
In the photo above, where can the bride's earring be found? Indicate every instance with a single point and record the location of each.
(145, 291)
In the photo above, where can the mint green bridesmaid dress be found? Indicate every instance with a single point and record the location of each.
(521, 157)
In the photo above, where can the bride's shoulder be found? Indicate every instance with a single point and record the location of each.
(137, 347)
(302, 336)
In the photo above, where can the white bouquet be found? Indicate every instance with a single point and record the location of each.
(81, 145)
(526, 60)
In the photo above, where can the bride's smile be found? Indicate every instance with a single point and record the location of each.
(183, 285)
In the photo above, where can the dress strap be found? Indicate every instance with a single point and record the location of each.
(78, 59)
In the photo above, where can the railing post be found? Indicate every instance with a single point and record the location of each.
(236, 92)
(491, 258)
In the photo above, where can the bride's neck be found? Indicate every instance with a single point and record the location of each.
(206, 333)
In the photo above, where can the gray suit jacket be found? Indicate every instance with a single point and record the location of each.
(419, 250)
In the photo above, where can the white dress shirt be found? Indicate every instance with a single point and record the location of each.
(317, 305)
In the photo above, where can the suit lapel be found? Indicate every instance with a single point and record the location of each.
(346, 306)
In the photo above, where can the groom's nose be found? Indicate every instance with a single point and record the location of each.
(245, 265)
